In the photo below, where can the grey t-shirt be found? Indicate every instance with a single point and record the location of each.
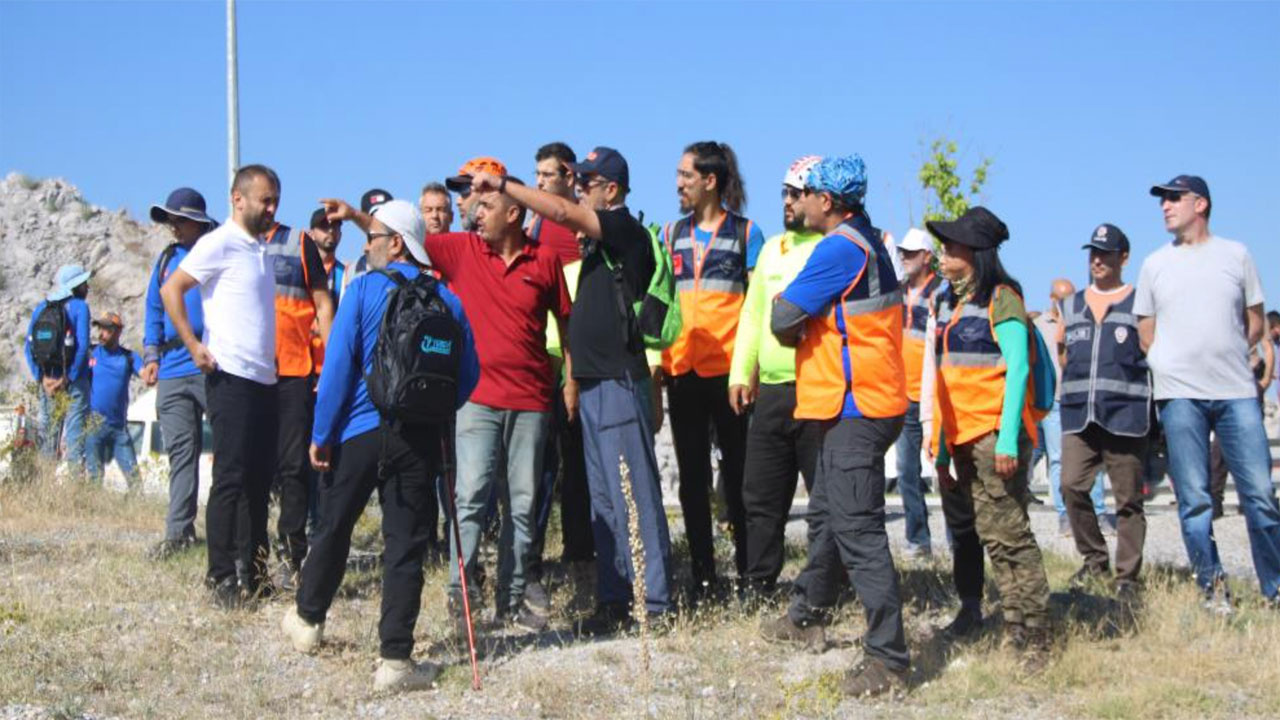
(1198, 295)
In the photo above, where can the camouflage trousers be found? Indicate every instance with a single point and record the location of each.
(1000, 509)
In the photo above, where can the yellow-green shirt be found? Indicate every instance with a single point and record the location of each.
(781, 259)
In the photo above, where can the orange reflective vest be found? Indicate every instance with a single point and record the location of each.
(712, 283)
(295, 312)
(857, 347)
(971, 369)
(915, 322)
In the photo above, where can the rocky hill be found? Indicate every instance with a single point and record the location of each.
(47, 223)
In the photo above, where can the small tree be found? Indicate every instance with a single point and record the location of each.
(940, 178)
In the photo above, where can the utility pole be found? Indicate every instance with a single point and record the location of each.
(233, 97)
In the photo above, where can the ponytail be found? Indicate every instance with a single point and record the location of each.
(713, 158)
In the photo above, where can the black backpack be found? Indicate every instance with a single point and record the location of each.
(53, 345)
(413, 378)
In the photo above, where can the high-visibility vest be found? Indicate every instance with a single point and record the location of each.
(295, 311)
(915, 322)
(971, 373)
(857, 347)
(711, 280)
(1105, 379)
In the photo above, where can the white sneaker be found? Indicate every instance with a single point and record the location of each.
(404, 675)
(304, 636)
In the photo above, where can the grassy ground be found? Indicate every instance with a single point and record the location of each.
(89, 626)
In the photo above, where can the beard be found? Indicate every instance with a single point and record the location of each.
(795, 224)
(259, 223)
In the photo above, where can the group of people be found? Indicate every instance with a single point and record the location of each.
(808, 355)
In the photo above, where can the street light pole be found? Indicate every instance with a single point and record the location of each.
(233, 97)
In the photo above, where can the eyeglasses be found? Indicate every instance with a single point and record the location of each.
(372, 235)
(584, 183)
(790, 193)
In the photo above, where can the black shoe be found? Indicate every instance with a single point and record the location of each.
(287, 578)
(608, 619)
(228, 595)
(967, 623)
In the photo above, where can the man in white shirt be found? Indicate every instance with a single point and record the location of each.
(237, 356)
(1199, 308)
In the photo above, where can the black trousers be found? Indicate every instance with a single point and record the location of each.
(779, 448)
(696, 403)
(847, 535)
(293, 467)
(243, 416)
(412, 460)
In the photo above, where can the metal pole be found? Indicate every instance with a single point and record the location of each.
(233, 97)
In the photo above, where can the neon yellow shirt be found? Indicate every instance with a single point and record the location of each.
(780, 261)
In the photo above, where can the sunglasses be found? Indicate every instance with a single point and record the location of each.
(790, 193)
(464, 191)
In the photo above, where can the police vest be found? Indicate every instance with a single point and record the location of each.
(295, 312)
(915, 322)
(857, 347)
(711, 280)
(971, 373)
(1105, 379)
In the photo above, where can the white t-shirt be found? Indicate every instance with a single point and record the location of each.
(237, 290)
(1198, 295)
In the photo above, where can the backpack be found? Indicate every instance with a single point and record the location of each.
(53, 345)
(1044, 380)
(656, 317)
(413, 377)
(162, 271)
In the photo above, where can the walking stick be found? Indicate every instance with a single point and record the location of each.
(446, 454)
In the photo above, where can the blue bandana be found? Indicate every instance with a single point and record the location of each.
(844, 177)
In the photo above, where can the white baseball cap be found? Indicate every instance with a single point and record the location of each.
(403, 218)
(798, 173)
(916, 239)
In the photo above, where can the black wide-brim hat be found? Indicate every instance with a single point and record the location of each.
(978, 228)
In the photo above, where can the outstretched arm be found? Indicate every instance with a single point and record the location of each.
(553, 207)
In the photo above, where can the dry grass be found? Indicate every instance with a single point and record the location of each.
(88, 625)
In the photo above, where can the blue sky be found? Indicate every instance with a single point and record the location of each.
(1081, 106)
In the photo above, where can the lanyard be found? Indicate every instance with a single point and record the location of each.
(913, 294)
(700, 254)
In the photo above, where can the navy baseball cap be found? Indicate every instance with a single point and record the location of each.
(373, 198)
(1181, 184)
(1108, 238)
(320, 218)
(607, 163)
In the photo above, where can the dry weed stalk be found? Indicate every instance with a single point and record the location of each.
(636, 543)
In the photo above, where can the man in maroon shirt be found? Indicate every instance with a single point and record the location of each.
(508, 283)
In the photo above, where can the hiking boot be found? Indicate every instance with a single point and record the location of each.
(1036, 650)
(1015, 636)
(967, 623)
(608, 619)
(404, 675)
(1088, 575)
(812, 637)
(228, 595)
(872, 677)
(528, 620)
(169, 547)
(536, 598)
(304, 636)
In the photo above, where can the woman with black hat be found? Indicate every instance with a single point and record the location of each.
(983, 408)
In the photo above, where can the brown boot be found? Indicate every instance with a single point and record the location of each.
(1036, 651)
(870, 678)
(812, 637)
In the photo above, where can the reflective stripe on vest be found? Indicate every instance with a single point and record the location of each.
(969, 397)
(1105, 378)
(295, 311)
(711, 280)
(857, 347)
(915, 321)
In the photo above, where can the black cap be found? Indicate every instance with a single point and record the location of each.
(1108, 238)
(977, 228)
(607, 163)
(376, 196)
(320, 218)
(1181, 184)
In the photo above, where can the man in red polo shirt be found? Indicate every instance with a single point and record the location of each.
(508, 283)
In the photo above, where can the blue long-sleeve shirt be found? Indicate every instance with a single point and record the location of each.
(343, 407)
(111, 372)
(158, 328)
(78, 315)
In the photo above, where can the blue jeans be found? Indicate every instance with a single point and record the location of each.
(106, 442)
(1051, 441)
(74, 420)
(1238, 425)
(490, 440)
(910, 484)
(616, 425)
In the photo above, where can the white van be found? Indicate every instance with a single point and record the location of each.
(148, 445)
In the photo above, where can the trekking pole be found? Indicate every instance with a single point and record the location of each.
(447, 457)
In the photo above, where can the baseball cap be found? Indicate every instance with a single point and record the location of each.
(372, 199)
(1108, 238)
(109, 319)
(607, 163)
(1183, 183)
(403, 218)
(916, 239)
(798, 173)
(843, 177)
(320, 218)
(471, 168)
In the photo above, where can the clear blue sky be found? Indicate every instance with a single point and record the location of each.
(1081, 106)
